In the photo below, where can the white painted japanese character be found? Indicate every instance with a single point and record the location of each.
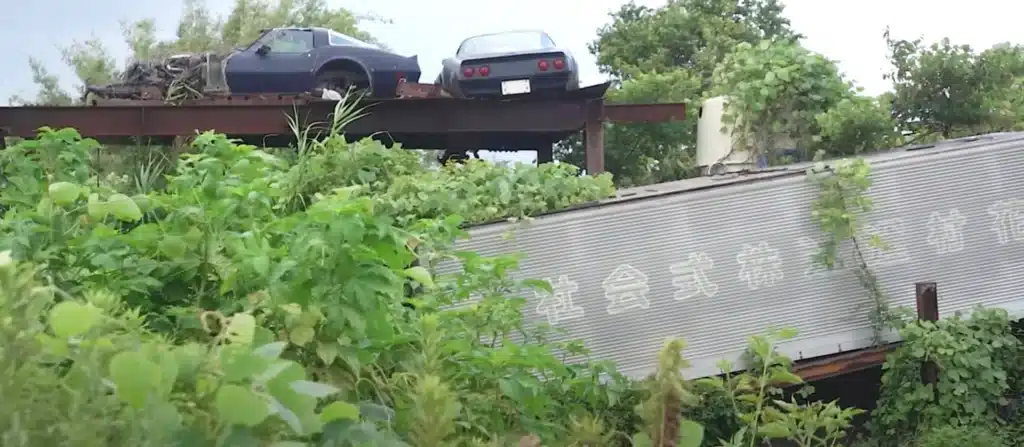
(558, 306)
(691, 277)
(626, 288)
(891, 233)
(1009, 220)
(760, 265)
(946, 232)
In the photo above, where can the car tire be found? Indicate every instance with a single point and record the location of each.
(345, 81)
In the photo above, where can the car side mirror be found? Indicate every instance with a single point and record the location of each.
(263, 50)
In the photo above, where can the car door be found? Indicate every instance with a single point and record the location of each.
(282, 61)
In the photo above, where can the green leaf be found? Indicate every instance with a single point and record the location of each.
(238, 405)
(780, 376)
(135, 377)
(774, 430)
(241, 329)
(420, 275)
(691, 434)
(70, 318)
(642, 440)
(313, 389)
(271, 350)
(327, 352)
(64, 193)
(302, 335)
(124, 208)
(174, 247)
(339, 411)
(96, 209)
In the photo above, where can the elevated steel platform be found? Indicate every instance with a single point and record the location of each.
(529, 123)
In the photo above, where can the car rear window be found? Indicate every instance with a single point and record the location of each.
(506, 43)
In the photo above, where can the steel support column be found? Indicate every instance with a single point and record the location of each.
(593, 136)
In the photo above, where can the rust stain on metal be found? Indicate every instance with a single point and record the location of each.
(644, 113)
(845, 363)
(409, 90)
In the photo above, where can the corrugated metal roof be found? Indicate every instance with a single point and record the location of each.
(715, 260)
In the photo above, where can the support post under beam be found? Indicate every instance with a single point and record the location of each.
(594, 137)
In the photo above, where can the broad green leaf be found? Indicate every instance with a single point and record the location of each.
(301, 335)
(313, 389)
(238, 405)
(339, 410)
(64, 193)
(271, 350)
(135, 377)
(173, 247)
(327, 351)
(240, 364)
(241, 329)
(420, 275)
(642, 440)
(691, 434)
(70, 318)
(124, 208)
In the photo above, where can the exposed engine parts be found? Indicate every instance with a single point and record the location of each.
(175, 78)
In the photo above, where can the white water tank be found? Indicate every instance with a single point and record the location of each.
(714, 144)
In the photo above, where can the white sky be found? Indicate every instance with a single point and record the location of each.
(849, 32)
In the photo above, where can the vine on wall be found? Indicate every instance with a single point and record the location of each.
(842, 202)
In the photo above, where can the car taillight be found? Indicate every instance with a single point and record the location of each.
(467, 72)
(484, 71)
(542, 65)
(559, 64)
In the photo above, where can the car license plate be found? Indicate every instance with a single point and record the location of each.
(515, 87)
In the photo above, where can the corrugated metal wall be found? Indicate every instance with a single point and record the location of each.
(716, 265)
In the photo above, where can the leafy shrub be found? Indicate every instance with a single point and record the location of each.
(975, 357)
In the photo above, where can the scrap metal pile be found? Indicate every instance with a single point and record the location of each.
(176, 78)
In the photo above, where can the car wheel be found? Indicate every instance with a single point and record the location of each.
(345, 82)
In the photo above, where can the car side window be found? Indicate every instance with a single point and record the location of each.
(291, 41)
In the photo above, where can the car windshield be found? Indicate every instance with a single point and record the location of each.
(506, 43)
(337, 39)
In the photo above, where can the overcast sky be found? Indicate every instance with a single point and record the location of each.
(847, 31)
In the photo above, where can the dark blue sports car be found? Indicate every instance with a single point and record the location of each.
(281, 60)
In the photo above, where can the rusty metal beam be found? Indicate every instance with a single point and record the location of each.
(421, 116)
(644, 113)
(845, 363)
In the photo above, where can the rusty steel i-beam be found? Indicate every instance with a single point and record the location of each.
(429, 123)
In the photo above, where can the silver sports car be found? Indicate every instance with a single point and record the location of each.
(509, 63)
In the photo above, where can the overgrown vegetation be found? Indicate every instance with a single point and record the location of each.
(259, 299)
(242, 296)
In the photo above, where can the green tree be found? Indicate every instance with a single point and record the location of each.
(776, 90)
(669, 54)
(198, 30)
(944, 90)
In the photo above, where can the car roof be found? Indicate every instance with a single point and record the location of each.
(540, 31)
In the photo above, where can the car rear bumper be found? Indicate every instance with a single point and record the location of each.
(545, 83)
